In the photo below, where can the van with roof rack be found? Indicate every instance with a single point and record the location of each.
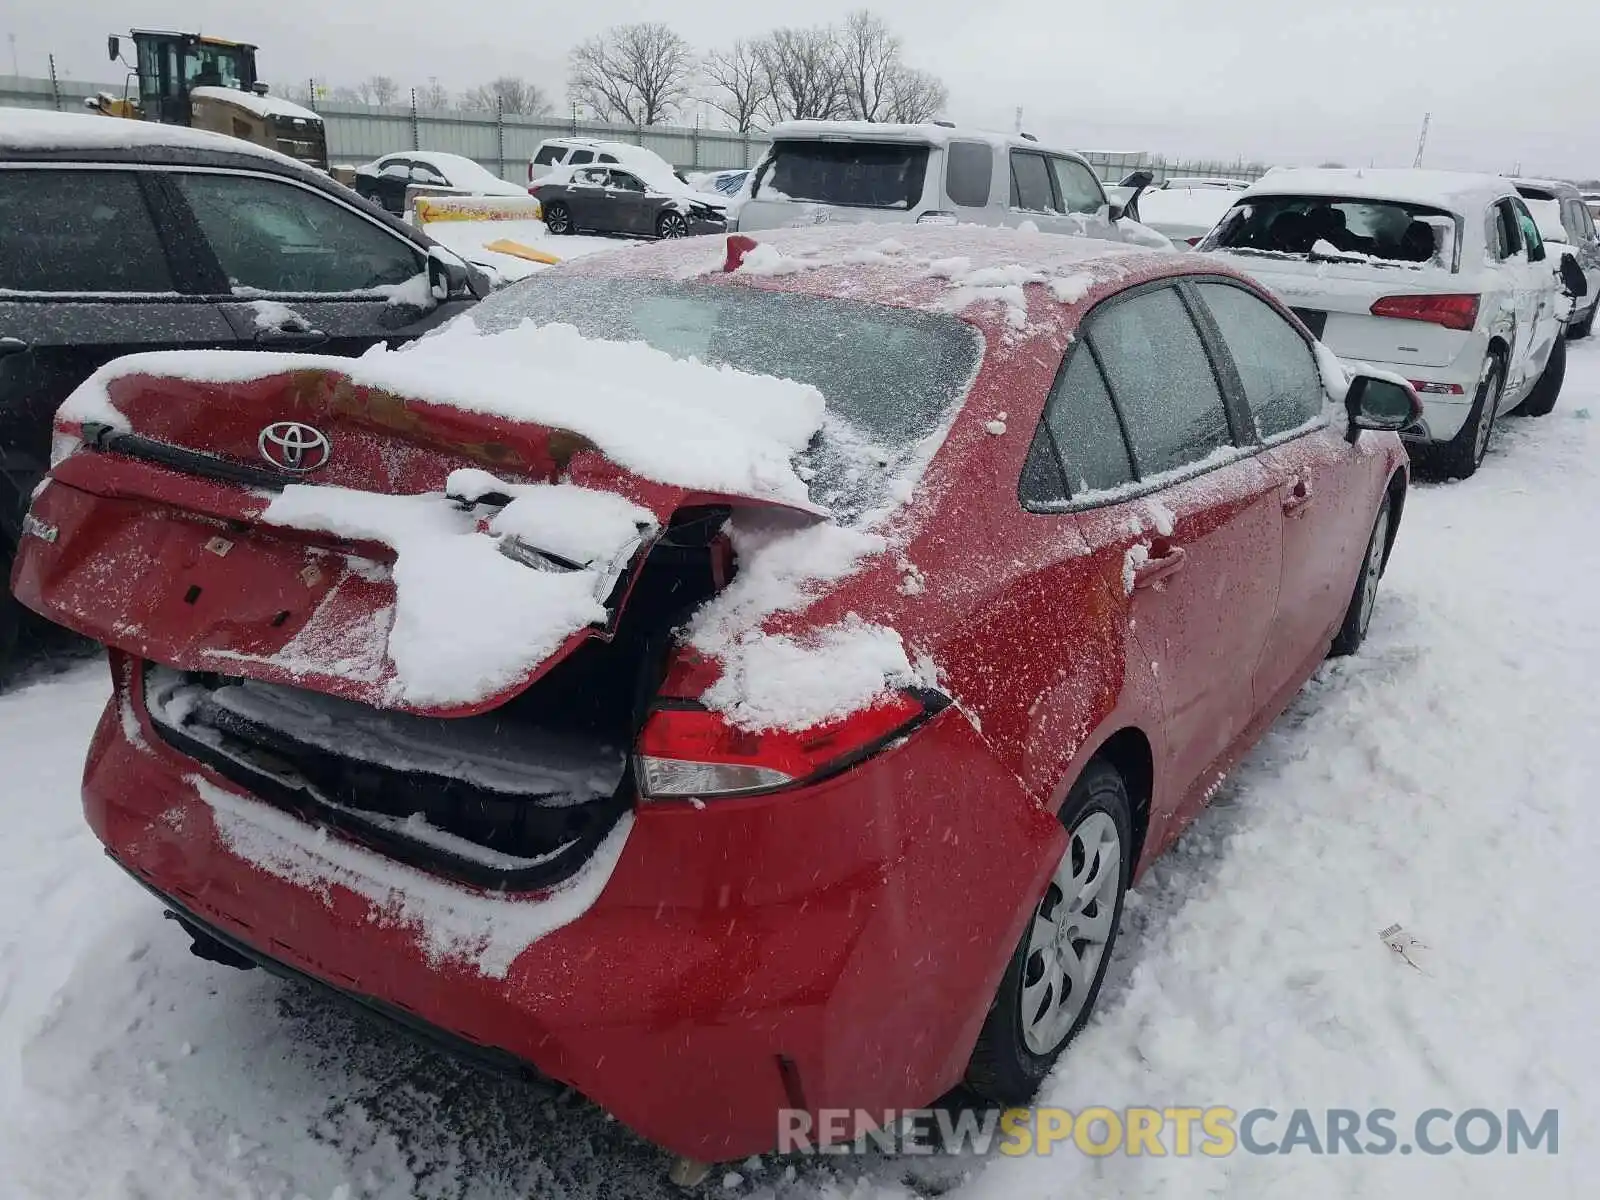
(865, 171)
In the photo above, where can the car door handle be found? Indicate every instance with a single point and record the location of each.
(1297, 499)
(1154, 570)
(11, 345)
(300, 338)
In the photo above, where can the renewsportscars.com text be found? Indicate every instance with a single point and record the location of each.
(1214, 1132)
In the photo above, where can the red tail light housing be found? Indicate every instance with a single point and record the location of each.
(688, 752)
(1451, 311)
(533, 189)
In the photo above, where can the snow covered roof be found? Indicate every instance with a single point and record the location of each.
(463, 172)
(262, 106)
(37, 129)
(1455, 191)
(925, 134)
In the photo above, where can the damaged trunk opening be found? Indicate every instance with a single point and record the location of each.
(514, 799)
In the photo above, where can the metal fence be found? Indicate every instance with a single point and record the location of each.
(504, 143)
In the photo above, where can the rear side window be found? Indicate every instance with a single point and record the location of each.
(608, 158)
(1162, 380)
(969, 171)
(270, 236)
(1076, 184)
(78, 231)
(1276, 366)
(548, 155)
(849, 174)
(580, 156)
(1080, 430)
(1030, 183)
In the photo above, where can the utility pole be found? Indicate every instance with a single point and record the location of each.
(1019, 118)
(12, 38)
(1422, 141)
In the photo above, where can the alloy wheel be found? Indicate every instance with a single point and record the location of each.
(674, 226)
(1373, 570)
(1071, 928)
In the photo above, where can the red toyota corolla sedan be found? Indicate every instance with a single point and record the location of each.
(723, 677)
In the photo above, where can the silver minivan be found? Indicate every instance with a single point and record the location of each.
(862, 171)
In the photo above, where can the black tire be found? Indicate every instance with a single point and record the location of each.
(672, 225)
(1584, 327)
(558, 218)
(10, 623)
(1547, 391)
(1003, 1068)
(1364, 597)
(1461, 457)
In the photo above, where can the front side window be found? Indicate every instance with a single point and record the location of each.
(969, 171)
(1161, 380)
(626, 182)
(848, 174)
(78, 231)
(1276, 366)
(1530, 230)
(1079, 189)
(1031, 190)
(271, 236)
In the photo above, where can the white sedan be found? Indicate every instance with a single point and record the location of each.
(385, 180)
(1440, 277)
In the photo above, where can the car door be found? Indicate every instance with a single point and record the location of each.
(1186, 525)
(295, 269)
(586, 198)
(1324, 486)
(1579, 226)
(1079, 194)
(1033, 193)
(1543, 299)
(87, 273)
(626, 195)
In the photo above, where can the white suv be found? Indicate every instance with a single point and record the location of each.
(862, 171)
(1438, 276)
(578, 151)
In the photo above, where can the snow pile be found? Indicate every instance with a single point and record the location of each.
(676, 421)
(471, 620)
(775, 681)
(485, 930)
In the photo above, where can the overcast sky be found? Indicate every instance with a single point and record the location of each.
(1295, 81)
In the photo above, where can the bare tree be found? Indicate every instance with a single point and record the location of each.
(915, 95)
(804, 74)
(869, 57)
(634, 73)
(432, 95)
(738, 83)
(379, 89)
(349, 95)
(509, 93)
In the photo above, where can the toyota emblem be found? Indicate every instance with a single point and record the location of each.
(291, 446)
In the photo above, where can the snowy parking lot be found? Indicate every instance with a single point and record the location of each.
(1441, 780)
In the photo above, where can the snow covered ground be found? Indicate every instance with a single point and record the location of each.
(1443, 780)
(470, 239)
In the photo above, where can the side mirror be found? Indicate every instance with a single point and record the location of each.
(1572, 277)
(114, 47)
(1115, 212)
(92, 103)
(259, 88)
(1381, 404)
(1535, 252)
(447, 274)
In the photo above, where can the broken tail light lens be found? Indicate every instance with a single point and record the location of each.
(688, 752)
(1453, 312)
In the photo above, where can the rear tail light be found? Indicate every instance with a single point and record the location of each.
(1195, 241)
(530, 171)
(65, 439)
(1436, 389)
(533, 189)
(1453, 312)
(693, 752)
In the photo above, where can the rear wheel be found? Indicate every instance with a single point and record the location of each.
(10, 624)
(1584, 327)
(1461, 456)
(557, 218)
(1548, 390)
(672, 225)
(1050, 985)
(1365, 597)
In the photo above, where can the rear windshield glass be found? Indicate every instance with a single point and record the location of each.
(890, 376)
(1328, 227)
(851, 174)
